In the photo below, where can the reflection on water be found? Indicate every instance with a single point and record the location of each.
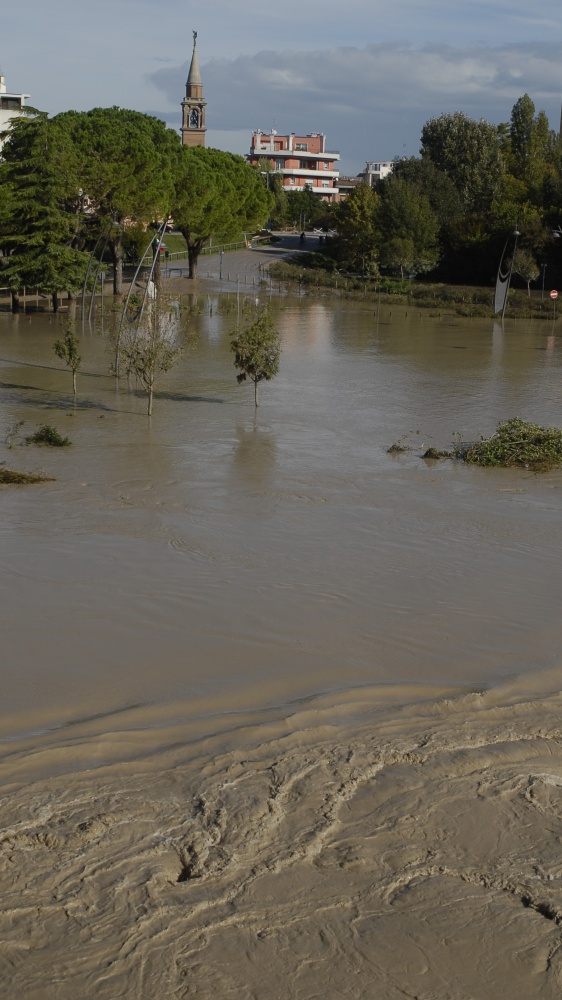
(254, 455)
(260, 557)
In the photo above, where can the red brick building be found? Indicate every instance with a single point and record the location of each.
(302, 160)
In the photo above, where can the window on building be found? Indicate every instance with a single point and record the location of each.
(302, 146)
(10, 104)
(279, 164)
(291, 180)
(325, 184)
(326, 165)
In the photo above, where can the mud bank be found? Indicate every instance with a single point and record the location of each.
(352, 848)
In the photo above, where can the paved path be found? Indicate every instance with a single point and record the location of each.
(244, 266)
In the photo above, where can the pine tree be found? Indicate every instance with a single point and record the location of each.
(39, 212)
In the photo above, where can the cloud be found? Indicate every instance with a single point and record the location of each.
(372, 101)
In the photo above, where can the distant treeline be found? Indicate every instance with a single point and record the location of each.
(446, 214)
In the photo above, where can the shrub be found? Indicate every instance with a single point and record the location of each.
(48, 435)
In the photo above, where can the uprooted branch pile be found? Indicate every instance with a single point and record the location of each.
(516, 442)
(9, 477)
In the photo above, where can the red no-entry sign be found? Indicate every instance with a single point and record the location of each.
(554, 294)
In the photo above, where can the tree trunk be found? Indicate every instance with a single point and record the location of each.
(193, 257)
(55, 302)
(116, 247)
(255, 392)
(16, 304)
(74, 382)
(150, 401)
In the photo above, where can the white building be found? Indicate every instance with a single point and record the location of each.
(376, 170)
(10, 106)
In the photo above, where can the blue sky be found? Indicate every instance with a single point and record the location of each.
(367, 73)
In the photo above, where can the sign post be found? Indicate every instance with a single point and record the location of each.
(554, 296)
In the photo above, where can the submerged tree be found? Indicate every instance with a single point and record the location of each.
(151, 349)
(256, 352)
(67, 350)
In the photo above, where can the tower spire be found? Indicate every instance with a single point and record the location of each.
(194, 75)
(193, 106)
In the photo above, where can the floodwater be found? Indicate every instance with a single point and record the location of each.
(229, 638)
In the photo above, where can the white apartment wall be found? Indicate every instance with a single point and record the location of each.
(10, 106)
(376, 170)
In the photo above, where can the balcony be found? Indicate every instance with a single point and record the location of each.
(294, 154)
(308, 174)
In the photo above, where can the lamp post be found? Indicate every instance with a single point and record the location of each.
(220, 265)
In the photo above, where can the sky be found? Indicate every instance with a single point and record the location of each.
(367, 73)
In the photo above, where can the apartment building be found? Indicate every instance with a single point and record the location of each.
(376, 170)
(302, 161)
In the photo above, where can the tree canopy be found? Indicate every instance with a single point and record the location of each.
(408, 228)
(357, 244)
(468, 152)
(39, 208)
(216, 194)
(126, 167)
(256, 352)
(109, 172)
(448, 211)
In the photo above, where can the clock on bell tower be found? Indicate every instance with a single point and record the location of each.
(193, 106)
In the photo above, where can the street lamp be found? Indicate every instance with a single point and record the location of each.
(220, 265)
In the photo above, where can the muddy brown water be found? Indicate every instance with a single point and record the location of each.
(218, 584)
(220, 555)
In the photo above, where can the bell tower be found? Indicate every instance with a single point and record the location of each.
(193, 106)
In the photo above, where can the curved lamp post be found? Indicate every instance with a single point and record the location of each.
(504, 274)
(156, 247)
(89, 268)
